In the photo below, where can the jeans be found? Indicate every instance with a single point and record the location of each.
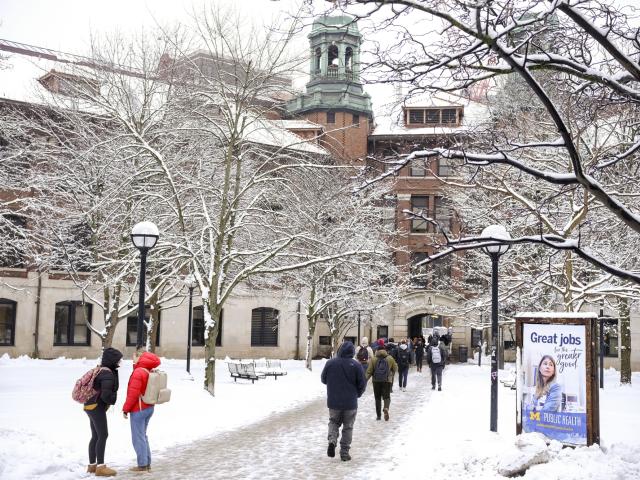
(382, 390)
(139, 424)
(402, 378)
(436, 372)
(99, 433)
(346, 418)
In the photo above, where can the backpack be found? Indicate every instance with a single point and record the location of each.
(83, 390)
(404, 358)
(435, 355)
(381, 371)
(156, 391)
(363, 355)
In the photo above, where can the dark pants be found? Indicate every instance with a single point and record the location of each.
(402, 378)
(419, 362)
(436, 372)
(346, 418)
(99, 433)
(382, 391)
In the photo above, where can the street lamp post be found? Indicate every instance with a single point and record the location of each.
(494, 252)
(144, 236)
(190, 282)
(601, 342)
(358, 327)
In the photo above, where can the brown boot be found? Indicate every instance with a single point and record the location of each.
(104, 471)
(140, 469)
(91, 468)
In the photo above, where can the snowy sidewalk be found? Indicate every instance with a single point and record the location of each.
(293, 444)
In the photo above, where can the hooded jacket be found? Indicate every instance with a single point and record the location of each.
(382, 354)
(138, 382)
(106, 382)
(344, 379)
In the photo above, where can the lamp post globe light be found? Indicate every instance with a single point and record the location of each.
(190, 283)
(144, 236)
(494, 252)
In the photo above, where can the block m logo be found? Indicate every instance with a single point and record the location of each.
(534, 416)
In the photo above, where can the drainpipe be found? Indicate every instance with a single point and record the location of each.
(36, 333)
(298, 334)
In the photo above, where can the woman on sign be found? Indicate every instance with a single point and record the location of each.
(548, 394)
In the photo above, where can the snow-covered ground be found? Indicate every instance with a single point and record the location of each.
(43, 433)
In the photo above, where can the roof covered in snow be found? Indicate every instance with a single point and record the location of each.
(298, 124)
(389, 119)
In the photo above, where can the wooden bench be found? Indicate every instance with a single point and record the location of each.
(244, 370)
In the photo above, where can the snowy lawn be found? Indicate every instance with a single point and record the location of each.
(44, 434)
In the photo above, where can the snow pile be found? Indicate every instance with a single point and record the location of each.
(531, 450)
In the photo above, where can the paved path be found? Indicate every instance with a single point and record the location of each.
(292, 445)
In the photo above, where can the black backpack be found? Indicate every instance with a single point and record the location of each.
(381, 371)
(363, 355)
(404, 358)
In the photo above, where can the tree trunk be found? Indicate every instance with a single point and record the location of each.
(210, 349)
(309, 352)
(624, 327)
(107, 340)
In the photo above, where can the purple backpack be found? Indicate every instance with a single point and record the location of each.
(83, 390)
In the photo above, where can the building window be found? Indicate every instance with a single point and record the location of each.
(449, 115)
(444, 167)
(324, 340)
(7, 322)
(433, 117)
(417, 169)
(610, 336)
(70, 324)
(331, 117)
(318, 58)
(356, 120)
(264, 327)
(416, 116)
(441, 270)
(132, 328)
(382, 331)
(419, 276)
(12, 231)
(442, 213)
(350, 339)
(419, 205)
(198, 328)
(476, 337)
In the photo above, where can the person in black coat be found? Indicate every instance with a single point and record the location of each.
(106, 384)
(345, 383)
(436, 359)
(419, 354)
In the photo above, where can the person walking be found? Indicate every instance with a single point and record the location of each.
(364, 353)
(404, 360)
(345, 383)
(436, 359)
(419, 354)
(382, 368)
(140, 412)
(106, 384)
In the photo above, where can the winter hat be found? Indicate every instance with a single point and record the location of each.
(403, 346)
(380, 342)
(364, 342)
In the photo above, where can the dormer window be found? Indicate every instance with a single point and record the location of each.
(433, 117)
(68, 84)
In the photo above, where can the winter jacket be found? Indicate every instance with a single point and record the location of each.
(552, 401)
(443, 356)
(106, 382)
(419, 350)
(393, 366)
(344, 379)
(138, 382)
(392, 349)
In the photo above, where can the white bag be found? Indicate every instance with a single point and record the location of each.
(157, 391)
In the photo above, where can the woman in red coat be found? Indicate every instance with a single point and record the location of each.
(140, 412)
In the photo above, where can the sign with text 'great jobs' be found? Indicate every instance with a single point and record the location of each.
(554, 367)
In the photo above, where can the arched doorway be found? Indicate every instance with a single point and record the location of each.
(416, 323)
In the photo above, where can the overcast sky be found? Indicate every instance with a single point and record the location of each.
(65, 24)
